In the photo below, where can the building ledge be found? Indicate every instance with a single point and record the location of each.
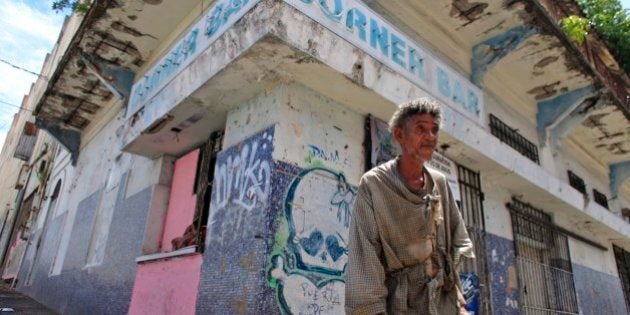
(189, 250)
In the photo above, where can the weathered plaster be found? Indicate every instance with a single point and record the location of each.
(619, 173)
(552, 111)
(488, 53)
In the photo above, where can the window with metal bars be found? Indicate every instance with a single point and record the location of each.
(623, 265)
(600, 198)
(577, 182)
(511, 137)
(471, 207)
(543, 262)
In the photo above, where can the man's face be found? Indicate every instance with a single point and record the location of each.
(418, 137)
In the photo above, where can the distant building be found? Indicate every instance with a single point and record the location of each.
(206, 154)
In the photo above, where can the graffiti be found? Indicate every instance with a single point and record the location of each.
(299, 295)
(316, 155)
(470, 286)
(314, 152)
(310, 254)
(244, 178)
(242, 183)
(343, 198)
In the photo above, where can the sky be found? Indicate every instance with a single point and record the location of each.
(28, 31)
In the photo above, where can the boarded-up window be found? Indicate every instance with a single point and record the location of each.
(189, 203)
(26, 144)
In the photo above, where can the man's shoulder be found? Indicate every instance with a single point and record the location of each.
(377, 173)
(439, 178)
(437, 175)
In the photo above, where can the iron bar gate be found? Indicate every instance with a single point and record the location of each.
(543, 261)
(471, 208)
(622, 258)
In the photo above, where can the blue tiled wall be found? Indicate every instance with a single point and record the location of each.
(598, 292)
(502, 267)
(104, 289)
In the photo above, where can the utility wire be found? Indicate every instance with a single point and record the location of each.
(23, 69)
(20, 107)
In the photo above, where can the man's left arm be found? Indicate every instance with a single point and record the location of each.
(462, 245)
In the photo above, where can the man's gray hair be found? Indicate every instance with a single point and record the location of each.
(423, 105)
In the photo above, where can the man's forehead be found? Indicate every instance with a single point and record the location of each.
(422, 118)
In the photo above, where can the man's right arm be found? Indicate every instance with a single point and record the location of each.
(366, 292)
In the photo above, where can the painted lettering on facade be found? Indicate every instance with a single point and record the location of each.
(204, 32)
(352, 20)
(310, 254)
(357, 23)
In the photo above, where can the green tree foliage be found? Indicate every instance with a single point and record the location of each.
(576, 28)
(80, 6)
(610, 20)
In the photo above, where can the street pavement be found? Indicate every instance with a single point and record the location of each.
(13, 302)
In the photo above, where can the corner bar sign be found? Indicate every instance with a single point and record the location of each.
(359, 25)
(350, 19)
(204, 32)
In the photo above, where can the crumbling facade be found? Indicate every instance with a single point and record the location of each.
(208, 153)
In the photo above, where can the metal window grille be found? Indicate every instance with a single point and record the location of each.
(623, 265)
(472, 212)
(511, 137)
(600, 198)
(544, 265)
(203, 184)
(577, 182)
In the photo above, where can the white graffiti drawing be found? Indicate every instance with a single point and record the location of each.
(343, 199)
(303, 297)
(320, 205)
(243, 179)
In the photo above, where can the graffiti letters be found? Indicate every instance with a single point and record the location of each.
(316, 155)
(242, 183)
(243, 179)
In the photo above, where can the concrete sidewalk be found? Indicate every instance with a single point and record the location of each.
(13, 302)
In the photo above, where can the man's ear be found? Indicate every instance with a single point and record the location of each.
(398, 134)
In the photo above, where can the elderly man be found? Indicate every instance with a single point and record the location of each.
(407, 235)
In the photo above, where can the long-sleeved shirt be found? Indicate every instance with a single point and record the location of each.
(404, 246)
